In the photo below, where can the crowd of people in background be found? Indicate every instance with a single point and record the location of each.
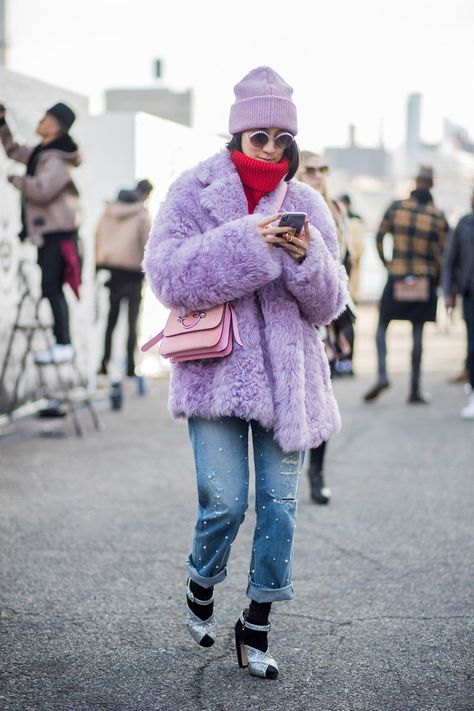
(426, 256)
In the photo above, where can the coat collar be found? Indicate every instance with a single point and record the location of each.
(223, 194)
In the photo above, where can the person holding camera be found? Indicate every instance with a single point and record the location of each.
(50, 214)
(214, 242)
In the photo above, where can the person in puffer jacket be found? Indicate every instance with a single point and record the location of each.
(120, 239)
(50, 214)
(216, 240)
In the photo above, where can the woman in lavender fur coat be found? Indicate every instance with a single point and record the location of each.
(214, 241)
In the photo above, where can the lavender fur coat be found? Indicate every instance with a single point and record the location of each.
(204, 250)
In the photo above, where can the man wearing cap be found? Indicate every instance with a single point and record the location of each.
(419, 231)
(49, 212)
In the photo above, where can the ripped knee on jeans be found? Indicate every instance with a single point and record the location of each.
(283, 499)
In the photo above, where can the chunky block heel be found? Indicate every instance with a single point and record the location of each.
(259, 663)
(239, 645)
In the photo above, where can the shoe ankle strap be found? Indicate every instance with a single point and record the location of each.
(256, 628)
(192, 598)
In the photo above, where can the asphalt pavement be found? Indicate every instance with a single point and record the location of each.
(95, 532)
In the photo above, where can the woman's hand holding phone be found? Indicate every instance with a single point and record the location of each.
(268, 231)
(292, 234)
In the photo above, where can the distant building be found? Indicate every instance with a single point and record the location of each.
(358, 160)
(164, 103)
(413, 120)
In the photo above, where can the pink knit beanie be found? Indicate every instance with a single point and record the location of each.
(262, 100)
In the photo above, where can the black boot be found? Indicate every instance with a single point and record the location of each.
(319, 493)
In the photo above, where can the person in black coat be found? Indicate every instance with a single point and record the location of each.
(458, 278)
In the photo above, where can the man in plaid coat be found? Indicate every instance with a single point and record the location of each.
(419, 231)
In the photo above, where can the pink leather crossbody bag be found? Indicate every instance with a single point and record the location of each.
(198, 335)
(201, 334)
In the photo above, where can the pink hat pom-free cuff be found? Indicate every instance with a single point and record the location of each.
(263, 100)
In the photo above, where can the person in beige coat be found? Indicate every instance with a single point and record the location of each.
(50, 214)
(339, 333)
(121, 235)
(356, 244)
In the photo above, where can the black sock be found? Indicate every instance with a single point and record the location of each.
(258, 615)
(258, 612)
(201, 611)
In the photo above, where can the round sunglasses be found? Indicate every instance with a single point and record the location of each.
(259, 139)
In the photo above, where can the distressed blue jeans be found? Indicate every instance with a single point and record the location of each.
(221, 450)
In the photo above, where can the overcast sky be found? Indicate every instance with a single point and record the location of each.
(352, 61)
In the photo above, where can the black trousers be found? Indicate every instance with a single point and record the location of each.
(52, 265)
(468, 313)
(416, 353)
(317, 457)
(125, 285)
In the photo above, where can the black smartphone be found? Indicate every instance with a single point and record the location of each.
(293, 219)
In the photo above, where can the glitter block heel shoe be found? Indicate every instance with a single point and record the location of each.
(202, 631)
(259, 663)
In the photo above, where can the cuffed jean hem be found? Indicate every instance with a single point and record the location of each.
(262, 594)
(204, 582)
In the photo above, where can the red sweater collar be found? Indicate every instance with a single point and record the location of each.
(257, 176)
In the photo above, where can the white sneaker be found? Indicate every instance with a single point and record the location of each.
(42, 357)
(59, 353)
(467, 413)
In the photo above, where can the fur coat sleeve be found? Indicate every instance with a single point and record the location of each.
(319, 283)
(191, 264)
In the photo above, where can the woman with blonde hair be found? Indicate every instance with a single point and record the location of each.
(313, 171)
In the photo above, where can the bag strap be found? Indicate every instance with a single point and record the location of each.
(281, 196)
(235, 326)
(153, 341)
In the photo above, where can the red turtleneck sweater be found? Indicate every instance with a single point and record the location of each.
(258, 177)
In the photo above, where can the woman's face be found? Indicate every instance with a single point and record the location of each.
(255, 144)
(314, 173)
